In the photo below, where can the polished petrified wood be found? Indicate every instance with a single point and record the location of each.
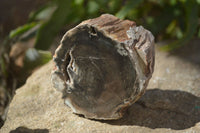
(103, 65)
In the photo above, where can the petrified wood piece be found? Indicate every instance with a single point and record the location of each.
(103, 65)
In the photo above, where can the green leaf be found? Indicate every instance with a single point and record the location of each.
(183, 1)
(93, 7)
(173, 2)
(43, 13)
(179, 33)
(50, 28)
(149, 20)
(78, 2)
(114, 5)
(34, 58)
(131, 4)
(22, 29)
(191, 9)
(171, 27)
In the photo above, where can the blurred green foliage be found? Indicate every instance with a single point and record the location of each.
(21, 30)
(176, 20)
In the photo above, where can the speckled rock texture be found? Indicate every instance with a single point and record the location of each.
(170, 104)
(103, 66)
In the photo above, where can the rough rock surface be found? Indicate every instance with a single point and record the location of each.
(170, 104)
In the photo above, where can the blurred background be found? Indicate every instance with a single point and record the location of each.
(30, 30)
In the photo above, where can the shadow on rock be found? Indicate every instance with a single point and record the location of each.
(1, 122)
(26, 130)
(163, 109)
